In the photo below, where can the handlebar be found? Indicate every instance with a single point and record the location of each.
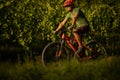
(64, 31)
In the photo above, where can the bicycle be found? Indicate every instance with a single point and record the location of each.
(60, 51)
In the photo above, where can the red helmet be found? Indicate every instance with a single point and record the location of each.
(68, 3)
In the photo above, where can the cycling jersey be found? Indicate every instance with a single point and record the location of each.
(81, 20)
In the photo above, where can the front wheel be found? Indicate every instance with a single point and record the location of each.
(53, 53)
(95, 50)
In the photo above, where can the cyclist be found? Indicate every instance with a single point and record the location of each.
(80, 24)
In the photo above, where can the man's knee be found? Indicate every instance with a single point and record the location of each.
(74, 31)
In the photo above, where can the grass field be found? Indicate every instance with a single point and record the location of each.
(102, 69)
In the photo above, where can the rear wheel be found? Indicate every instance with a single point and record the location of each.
(94, 50)
(54, 54)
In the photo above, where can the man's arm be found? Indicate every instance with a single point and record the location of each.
(74, 19)
(61, 25)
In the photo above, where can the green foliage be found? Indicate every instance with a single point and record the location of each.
(101, 21)
(24, 22)
(103, 69)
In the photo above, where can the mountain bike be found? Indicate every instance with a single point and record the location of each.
(66, 47)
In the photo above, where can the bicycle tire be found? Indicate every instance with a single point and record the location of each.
(98, 51)
(49, 54)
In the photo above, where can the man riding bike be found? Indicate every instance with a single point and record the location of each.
(80, 24)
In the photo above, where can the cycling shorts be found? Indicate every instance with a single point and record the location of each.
(82, 29)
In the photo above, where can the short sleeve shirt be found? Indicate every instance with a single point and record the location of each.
(81, 20)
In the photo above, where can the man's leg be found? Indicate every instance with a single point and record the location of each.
(79, 41)
(78, 38)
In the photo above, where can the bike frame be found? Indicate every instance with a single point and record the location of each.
(68, 40)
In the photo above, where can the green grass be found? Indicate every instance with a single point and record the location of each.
(102, 69)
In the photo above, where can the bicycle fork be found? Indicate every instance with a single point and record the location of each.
(59, 51)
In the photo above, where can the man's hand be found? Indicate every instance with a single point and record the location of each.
(55, 32)
(70, 27)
